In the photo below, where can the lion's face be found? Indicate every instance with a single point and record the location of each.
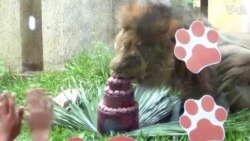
(128, 60)
(144, 45)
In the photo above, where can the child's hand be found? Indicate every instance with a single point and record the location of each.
(10, 119)
(40, 114)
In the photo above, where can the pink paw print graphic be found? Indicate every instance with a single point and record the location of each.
(197, 47)
(203, 120)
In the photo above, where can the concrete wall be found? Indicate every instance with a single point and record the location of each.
(70, 26)
(10, 49)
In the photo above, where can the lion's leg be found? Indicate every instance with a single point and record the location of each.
(234, 75)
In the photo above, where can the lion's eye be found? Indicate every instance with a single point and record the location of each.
(126, 28)
(128, 44)
(173, 40)
(139, 43)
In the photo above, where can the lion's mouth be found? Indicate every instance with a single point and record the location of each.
(123, 76)
(133, 77)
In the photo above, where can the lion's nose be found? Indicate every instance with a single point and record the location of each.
(129, 62)
(133, 60)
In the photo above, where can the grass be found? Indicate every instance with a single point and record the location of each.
(90, 69)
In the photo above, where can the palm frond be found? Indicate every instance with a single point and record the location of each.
(75, 119)
(154, 104)
(238, 122)
(79, 115)
(163, 129)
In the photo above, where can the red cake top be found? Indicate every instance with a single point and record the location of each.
(118, 85)
(118, 93)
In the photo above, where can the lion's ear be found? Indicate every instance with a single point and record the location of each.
(130, 14)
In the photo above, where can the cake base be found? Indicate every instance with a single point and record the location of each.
(117, 121)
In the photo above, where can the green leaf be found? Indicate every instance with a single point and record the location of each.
(164, 129)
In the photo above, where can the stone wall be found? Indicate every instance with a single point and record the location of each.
(70, 26)
(10, 43)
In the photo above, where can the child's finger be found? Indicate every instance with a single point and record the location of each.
(26, 113)
(4, 103)
(47, 103)
(34, 98)
(12, 103)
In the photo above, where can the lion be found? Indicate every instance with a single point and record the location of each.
(144, 52)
